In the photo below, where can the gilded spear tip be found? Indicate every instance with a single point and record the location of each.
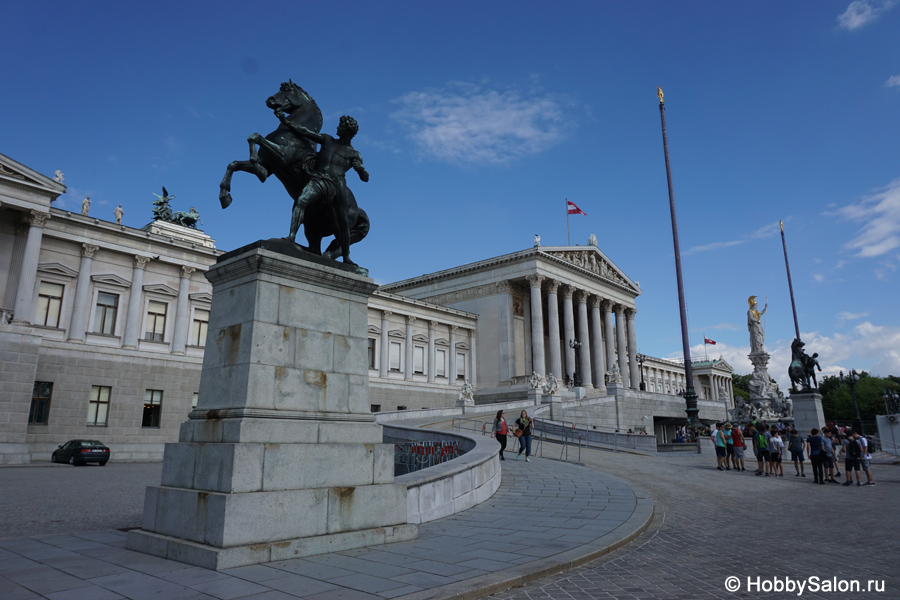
(659, 93)
(780, 224)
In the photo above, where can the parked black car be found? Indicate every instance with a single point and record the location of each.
(79, 452)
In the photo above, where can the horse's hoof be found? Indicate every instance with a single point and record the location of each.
(225, 199)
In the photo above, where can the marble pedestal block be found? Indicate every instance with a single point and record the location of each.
(282, 457)
(808, 411)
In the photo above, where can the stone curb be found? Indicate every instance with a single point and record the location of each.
(491, 583)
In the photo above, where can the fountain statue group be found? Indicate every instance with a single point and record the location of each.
(314, 179)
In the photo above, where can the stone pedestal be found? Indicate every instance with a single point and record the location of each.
(808, 412)
(281, 458)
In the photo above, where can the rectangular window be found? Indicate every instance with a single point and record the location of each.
(376, 407)
(195, 400)
(39, 414)
(460, 365)
(371, 353)
(395, 356)
(49, 304)
(152, 408)
(199, 327)
(440, 360)
(98, 407)
(419, 360)
(156, 321)
(105, 314)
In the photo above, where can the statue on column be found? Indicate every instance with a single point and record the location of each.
(757, 334)
(314, 180)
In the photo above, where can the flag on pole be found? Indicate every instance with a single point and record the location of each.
(574, 210)
(706, 340)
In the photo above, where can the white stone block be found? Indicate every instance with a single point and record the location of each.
(314, 350)
(317, 312)
(333, 432)
(383, 467)
(350, 355)
(299, 466)
(178, 465)
(412, 505)
(285, 431)
(463, 483)
(287, 515)
(272, 344)
(368, 506)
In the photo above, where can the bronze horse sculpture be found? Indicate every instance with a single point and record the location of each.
(289, 156)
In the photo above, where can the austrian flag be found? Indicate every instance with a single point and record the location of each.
(574, 210)
(706, 340)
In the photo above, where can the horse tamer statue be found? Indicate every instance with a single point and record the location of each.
(315, 181)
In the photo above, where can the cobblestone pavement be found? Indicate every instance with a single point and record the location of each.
(61, 499)
(545, 515)
(710, 525)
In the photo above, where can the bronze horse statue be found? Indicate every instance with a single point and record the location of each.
(288, 156)
(799, 370)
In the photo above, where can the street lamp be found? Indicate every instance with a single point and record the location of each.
(575, 345)
(641, 358)
(851, 379)
(891, 401)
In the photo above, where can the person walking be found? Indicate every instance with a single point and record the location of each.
(526, 426)
(499, 431)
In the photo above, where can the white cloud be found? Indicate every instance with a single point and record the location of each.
(849, 316)
(467, 124)
(818, 277)
(893, 81)
(880, 215)
(763, 232)
(862, 12)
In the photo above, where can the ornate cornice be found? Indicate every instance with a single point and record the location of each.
(481, 291)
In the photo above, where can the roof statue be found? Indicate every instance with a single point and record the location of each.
(311, 166)
(58, 176)
(86, 205)
(163, 212)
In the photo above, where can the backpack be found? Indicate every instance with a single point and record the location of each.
(761, 442)
(854, 449)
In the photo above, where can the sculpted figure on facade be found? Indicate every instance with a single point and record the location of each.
(757, 334)
(536, 381)
(85, 205)
(467, 393)
(551, 388)
(119, 213)
(614, 375)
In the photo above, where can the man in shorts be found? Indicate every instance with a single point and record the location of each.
(796, 446)
(776, 445)
(761, 449)
(865, 460)
(737, 442)
(721, 452)
(729, 446)
(852, 450)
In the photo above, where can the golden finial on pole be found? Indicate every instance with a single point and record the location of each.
(781, 224)
(659, 93)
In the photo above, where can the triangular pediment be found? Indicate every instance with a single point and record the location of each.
(111, 279)
(374, 330)
(159, 288)
(462, 346)
(396, 333)
(201, 297)
(441, 342)
(591, 259)
(422, 339)
(723, 365)
(16, 172)
(56, 269)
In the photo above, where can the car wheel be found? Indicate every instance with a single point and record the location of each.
(53, 457)
(72, 461)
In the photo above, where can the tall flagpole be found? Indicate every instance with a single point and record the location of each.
(568, 232)
(690, 396)
(790, 285)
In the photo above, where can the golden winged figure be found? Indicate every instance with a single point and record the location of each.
(659, 93)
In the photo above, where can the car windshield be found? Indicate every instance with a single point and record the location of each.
(89, 444)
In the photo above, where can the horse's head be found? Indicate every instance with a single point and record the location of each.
(291, 99)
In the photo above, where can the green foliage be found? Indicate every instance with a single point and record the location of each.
(741, 385)
(837, 397)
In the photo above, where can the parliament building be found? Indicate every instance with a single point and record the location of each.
(103, 329)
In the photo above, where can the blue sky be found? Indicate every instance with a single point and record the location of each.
(477, 121)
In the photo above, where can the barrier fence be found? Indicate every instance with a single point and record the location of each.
(413, 456)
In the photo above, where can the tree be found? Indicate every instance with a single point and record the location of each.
(741, 385)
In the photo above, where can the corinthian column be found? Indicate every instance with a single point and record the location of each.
(632, 350)
(608, 333)
(133, 317)
(569, 329)
(621, 349)
(408, 371)
(451, 376)
(81, 306)
(553, 327)
(182, 311)
(597, 345)
(537, 325)
(584, 336)
(23, 312)
(431, 357)
(385, 345)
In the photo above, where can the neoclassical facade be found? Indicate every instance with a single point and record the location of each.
(567, 310)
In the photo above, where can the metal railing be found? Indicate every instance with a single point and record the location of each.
(413, 456)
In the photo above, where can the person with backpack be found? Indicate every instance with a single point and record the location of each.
(852, 451)
(864, 460)
(761, 448)
(776, 446)
(796, 446)
(816, 443)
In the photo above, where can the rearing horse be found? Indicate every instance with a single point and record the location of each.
(285, 154)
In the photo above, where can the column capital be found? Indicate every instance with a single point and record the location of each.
(630, 312)
(606, 304)
(453, 328)
(581, 296)
(620, 309)
(186, 271)
(595, 301)
(535, 279)
(433, 324)
(410, 319)
(567, 291)
(38, 218)
(140, 261)
(552, 285)
(88, 250)
(385, 314)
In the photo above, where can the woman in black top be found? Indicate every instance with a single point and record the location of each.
(499, 431)
(527, 427)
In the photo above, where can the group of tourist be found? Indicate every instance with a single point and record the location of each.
(771, 444)
(523, 431)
